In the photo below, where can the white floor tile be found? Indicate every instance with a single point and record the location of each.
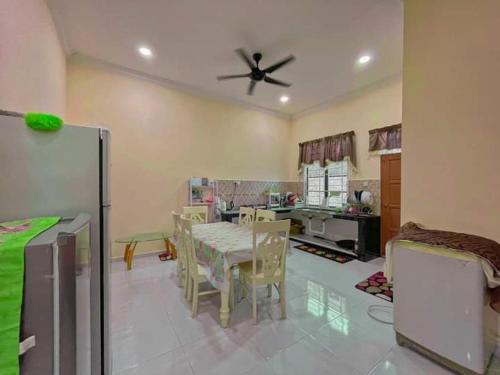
(328, 330)
(361, 348)
(308, 357)
(220, 355)
(404, 361)
(273, 336)
(261, 369)
(171, 363)
(306, 312)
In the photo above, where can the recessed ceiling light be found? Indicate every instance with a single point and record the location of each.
(145, 51)
(284, 99)
(364, 59)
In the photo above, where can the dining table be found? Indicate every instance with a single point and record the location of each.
(219, 247)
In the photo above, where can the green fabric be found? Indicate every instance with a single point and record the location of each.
(12, 246)
(43, 122)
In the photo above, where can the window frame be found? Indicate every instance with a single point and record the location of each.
(325, 190)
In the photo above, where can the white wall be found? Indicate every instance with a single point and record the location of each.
(451, 115)
(367, 109)
(162, 136)
(32, 61)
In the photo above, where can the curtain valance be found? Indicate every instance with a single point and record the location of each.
(323, 150)
(386, 138)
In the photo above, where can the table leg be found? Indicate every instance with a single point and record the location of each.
(224, 309)
(224, 301)
(130, 255)
(170, 249)
(125, 254)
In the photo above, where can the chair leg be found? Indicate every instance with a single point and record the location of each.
(282, 300)
(269, 290)
(185, 280)
(190, 289)
(243, 287)
(231, 290)
(194, 310)
(254, 303)
(179, 271)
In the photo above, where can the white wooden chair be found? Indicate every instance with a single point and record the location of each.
(247, 215)
(197, 273)
(268, 265)
(182, 259)
(265, 215)
(197, 214)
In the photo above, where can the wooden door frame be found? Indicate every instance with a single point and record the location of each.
(382, 157)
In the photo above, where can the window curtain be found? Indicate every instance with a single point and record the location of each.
(384, 139)
(323, 150)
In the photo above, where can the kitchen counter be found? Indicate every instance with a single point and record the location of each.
(337, 215)
(368, 228)
(230, 214)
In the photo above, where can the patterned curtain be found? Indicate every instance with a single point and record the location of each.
(334, 148)
(339, 147)
(387, 138)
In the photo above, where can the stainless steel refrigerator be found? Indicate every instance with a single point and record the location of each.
(64, 173)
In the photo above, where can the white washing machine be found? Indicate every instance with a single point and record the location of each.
(441, 306)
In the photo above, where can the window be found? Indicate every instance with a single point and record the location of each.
(326, 187)
(315, 185)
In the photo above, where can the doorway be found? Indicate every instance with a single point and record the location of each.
(390, 186)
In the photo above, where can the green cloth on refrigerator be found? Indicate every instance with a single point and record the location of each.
(14, 236)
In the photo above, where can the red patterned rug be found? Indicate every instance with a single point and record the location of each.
(377, 285)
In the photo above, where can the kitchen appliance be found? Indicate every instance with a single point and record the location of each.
(274, 200)
(64, 173)
(56, 300)
(441, 306)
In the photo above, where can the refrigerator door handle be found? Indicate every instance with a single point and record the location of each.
(105, 136)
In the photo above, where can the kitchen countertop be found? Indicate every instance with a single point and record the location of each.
(276, 209)
(314, 211)
(334, 214)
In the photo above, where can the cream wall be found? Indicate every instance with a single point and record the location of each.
(451, 115)
(162, 136)
(371, 108)
(32, 61)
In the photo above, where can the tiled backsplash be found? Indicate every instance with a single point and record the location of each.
(255, 192)
(373, 186)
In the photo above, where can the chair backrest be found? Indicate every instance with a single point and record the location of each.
(188, 242)
(197, 214)
(247, 215)
(179, 242)
(265, 215)
(270, 241)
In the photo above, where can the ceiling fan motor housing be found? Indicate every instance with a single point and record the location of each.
(256, 74)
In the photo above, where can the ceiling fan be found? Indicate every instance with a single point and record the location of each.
(258, 74)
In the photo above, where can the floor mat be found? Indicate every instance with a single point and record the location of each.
(325, 253)
(377, 285)
(164, 256)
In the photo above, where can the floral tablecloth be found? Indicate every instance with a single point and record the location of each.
(218, 246)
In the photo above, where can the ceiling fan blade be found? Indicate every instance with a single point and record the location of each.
(251, 87)
(279, 64)
(220, 78)
(276, 82)
(244, 56)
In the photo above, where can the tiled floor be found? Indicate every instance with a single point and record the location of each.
(327, 330)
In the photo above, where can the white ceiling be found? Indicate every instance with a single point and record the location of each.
(194, 41)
